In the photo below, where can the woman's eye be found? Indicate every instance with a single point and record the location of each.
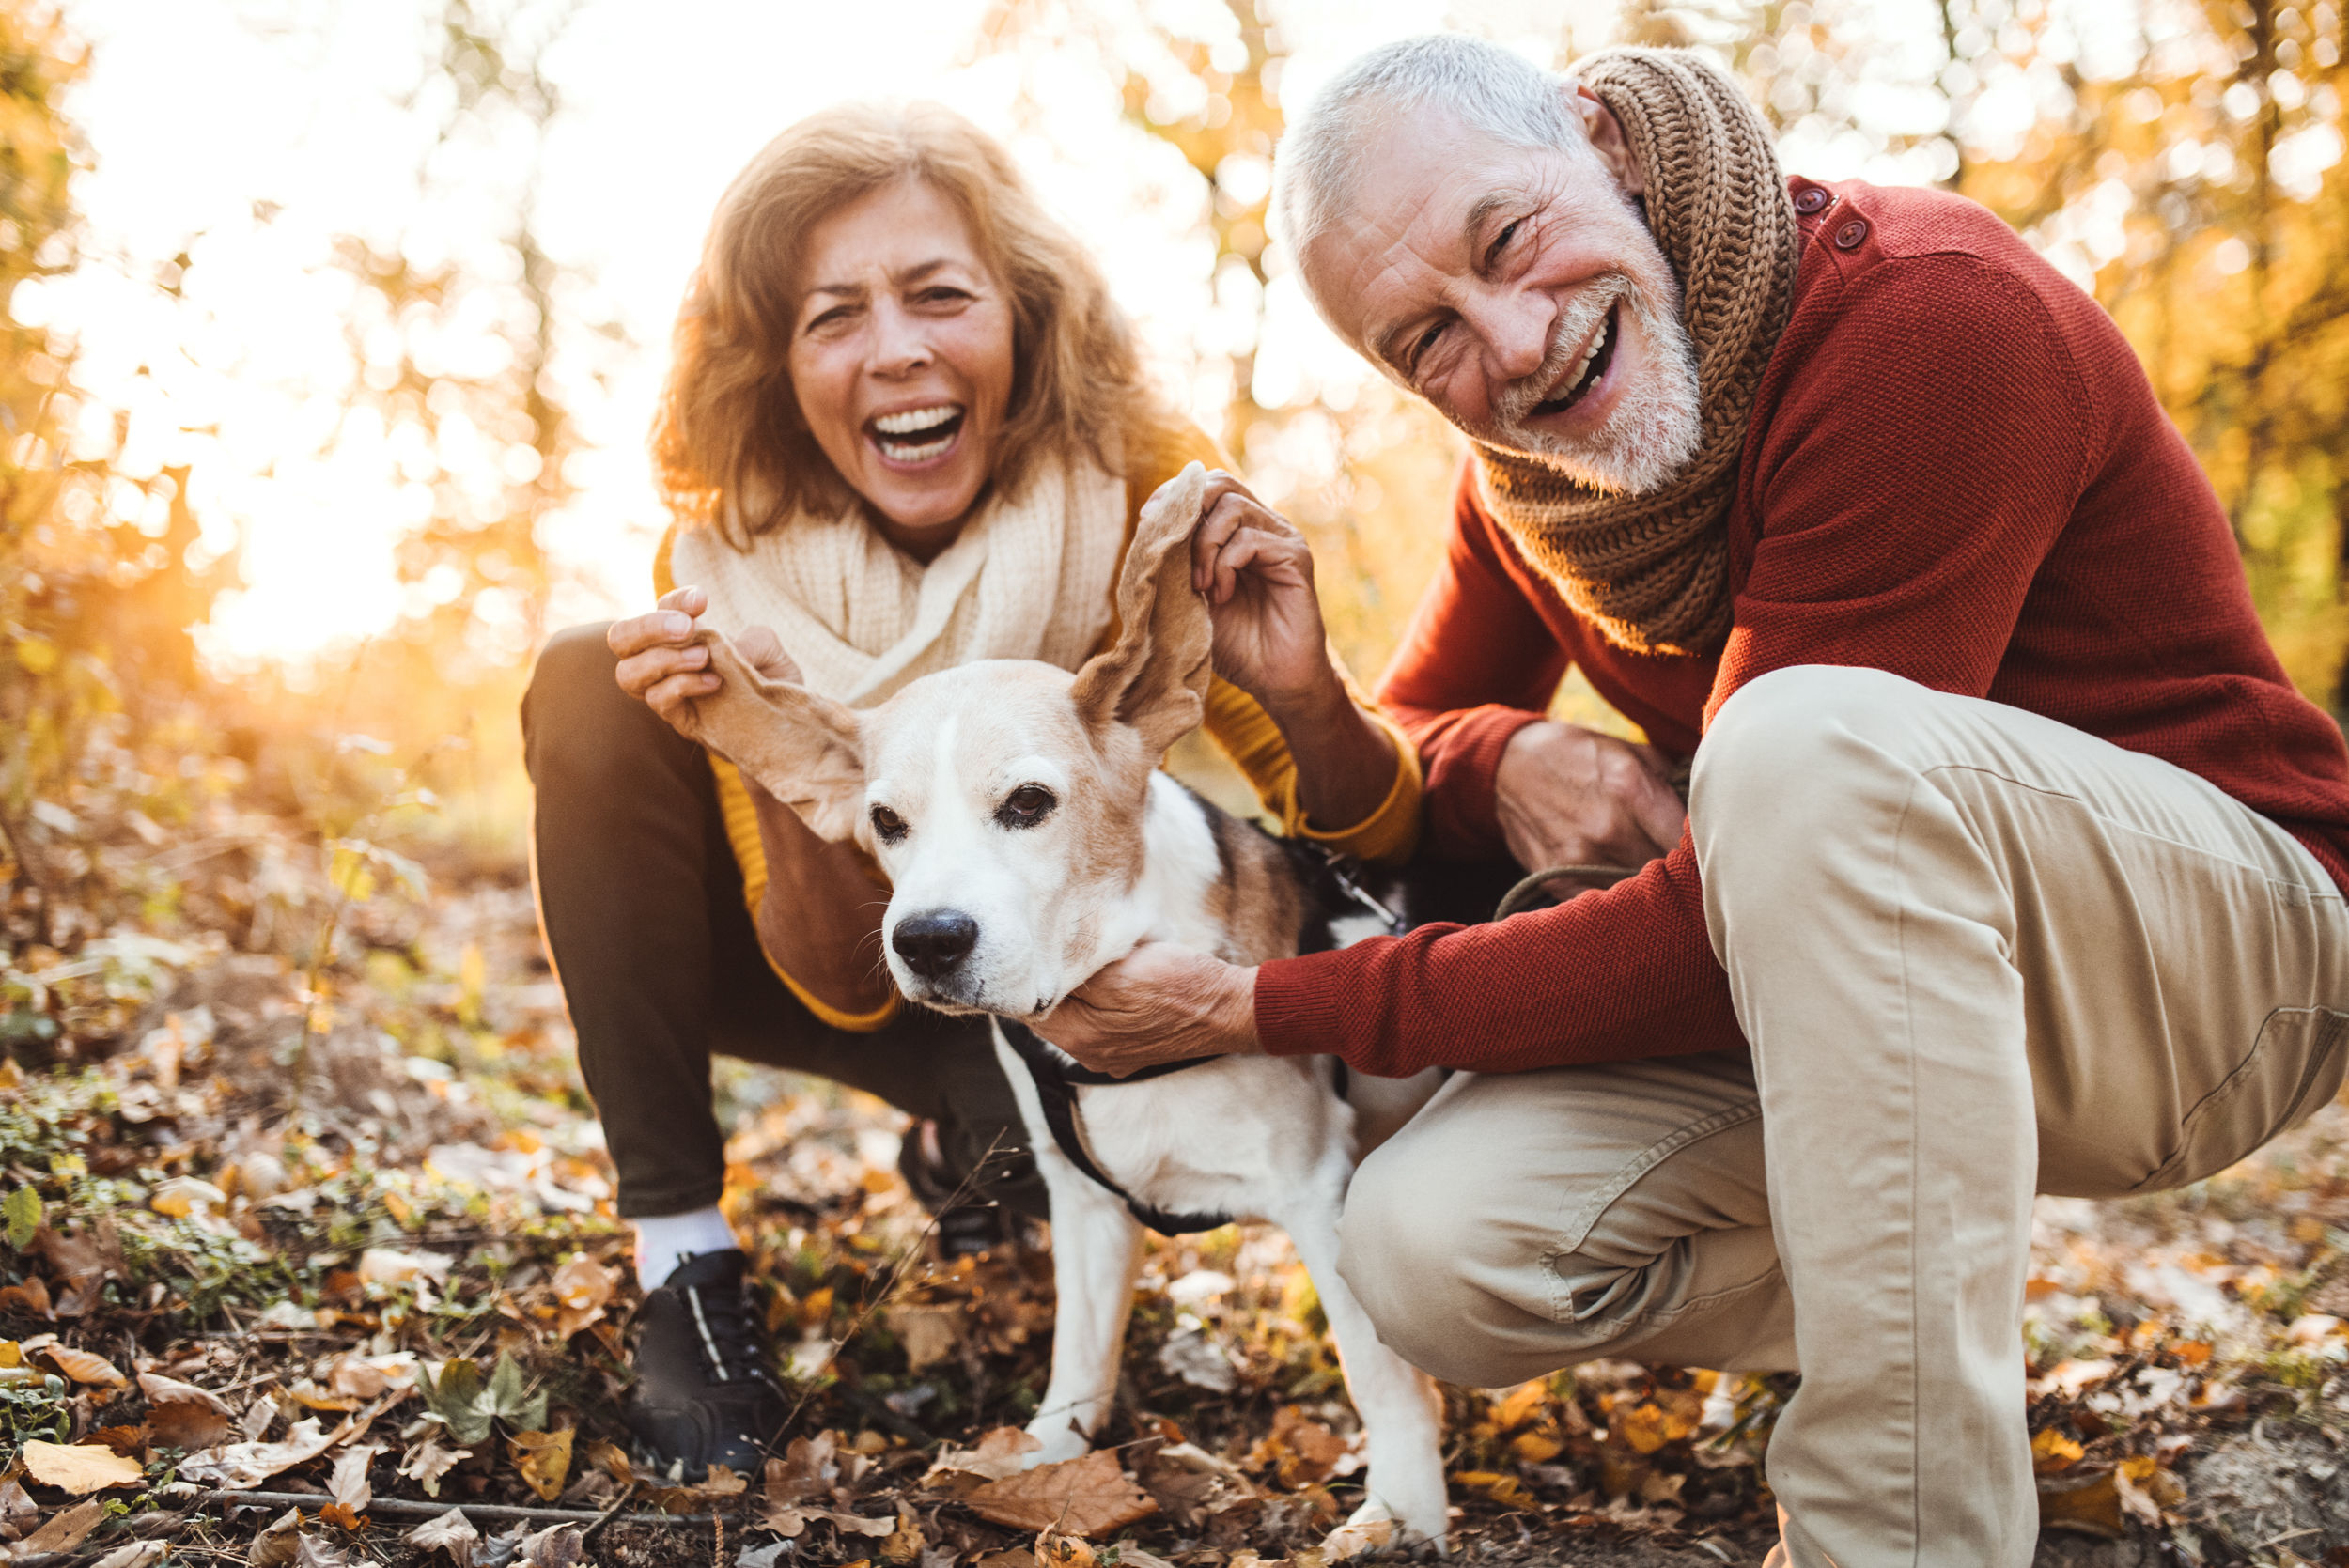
(887, 825)
(1025, 807)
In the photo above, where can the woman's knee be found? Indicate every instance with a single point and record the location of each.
(574, 711)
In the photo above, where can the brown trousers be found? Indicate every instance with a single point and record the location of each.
(1979, 955)
(642, 906)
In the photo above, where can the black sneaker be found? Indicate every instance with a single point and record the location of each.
(966, 1229)
(703, 1394)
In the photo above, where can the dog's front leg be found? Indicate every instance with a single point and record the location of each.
(1097, 1253)
(1402, 1412)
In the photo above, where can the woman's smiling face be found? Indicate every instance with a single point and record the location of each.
(901, 356)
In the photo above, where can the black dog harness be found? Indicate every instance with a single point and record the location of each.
(1331, 880)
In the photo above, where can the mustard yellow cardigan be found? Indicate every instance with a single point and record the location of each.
(1235, 722)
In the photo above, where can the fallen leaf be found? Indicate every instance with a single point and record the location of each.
(1648, 1426)
(349, 1480)
(1298, 1450)
(275, 1548)
(185, 1424)
(450, 1532)
(80, 1468)
(2085, 1507)
(311, 1551)
(1055, 1550)
(382, 1266)
(31, 1297)
(160, 1389)
(1090, 1495)
(240, 1466)
(82, 1262)
(930, 1334)
(129, 1441)
(137, 1554)
(580, 1289)
(613, 1461)
(806, 1470)
(2052, 1450)
(1001, 1454)
(544, 1459)
(556, 1546)
(428, 1461)
(1520, 1405)
(1506, 1490)
(64, 1532)
(83, 1367)
(906, 1543)
(343, 1518)
(1347, 1542)
(17, 1508)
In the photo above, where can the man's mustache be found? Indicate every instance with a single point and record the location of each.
(1572, 329)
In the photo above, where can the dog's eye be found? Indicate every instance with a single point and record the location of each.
(1025, 807)
(887, 825)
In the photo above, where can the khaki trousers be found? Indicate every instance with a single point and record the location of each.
(1978, 954)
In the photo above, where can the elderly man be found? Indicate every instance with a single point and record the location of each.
(2012, 858)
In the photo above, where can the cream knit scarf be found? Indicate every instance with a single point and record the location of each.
(1029, 577)
(1651, 571)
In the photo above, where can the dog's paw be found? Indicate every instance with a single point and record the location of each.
(1374, 1527)
(1058, 1441)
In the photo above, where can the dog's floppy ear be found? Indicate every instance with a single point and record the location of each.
(1156, 678)
(802, 748)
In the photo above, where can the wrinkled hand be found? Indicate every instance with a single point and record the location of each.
(661, 662)
(1258, 572)
(1569, 796)
(1161, 1003)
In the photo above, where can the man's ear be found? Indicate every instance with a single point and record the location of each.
(1155, 680)
(802, 748)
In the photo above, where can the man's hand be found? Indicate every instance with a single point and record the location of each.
(1258, 572)
(1161, 1003)
(1569, 796)
(660, 663)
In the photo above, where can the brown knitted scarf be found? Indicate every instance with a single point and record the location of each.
(1651, 571)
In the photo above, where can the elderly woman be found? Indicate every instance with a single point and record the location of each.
(905, 428)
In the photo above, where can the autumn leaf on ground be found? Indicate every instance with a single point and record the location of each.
(83, 1367)
(2085, 1507)
(349, 1480)
(31, 1297)
(1055, 1550)
(185, 1424)
(1298, 1450)
(130, 1441)
(135, 1554)
(906, 1543)
(428, 1461)
(160, 1389)
(556, 1546)
(450, 1532)
(582, 1287)
(1506, 1490)
(80, 1468)
(275, 1546)
(240, 1466)
(2052, 1450)
(544, 1459)
(929, 1334)
(1001, 1454)
(1090, 1495)
(82, 1262)
(64, 1532)
(807, 1470)
(1354, 1538)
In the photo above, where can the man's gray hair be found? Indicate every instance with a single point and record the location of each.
(1494, 91)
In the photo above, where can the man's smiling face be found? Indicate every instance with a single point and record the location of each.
(1520, 291)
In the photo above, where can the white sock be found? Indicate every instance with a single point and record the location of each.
(666, 1240)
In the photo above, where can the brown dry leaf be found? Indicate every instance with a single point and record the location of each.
(129, 1441)
(580, 1287)
(31, 1298)
(428, 1461)
(556, 1546)
(160, 1389)
(311, 1551)
(135, 1554)
(353, 1378)
(807, 1471)
(80, 1468)
(929, 1334)
(1001, 1454)
(350, 1482)
(64, 1532)
(1055, 1550)
(82, 1262)
(83, 1367)
(2085, 1507)
(343, 1518)
(311, 1397)
(239, 1466)
(1078, 1496)
(544, 1459)
(1300, 1450)
(185, 1424)
(905, 1544)
(17, 1508)
(612, 1460)
(275, 1548)
(450, 1532)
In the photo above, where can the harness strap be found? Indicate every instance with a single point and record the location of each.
(1054, 1081)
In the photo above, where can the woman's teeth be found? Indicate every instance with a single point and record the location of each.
(917, 435)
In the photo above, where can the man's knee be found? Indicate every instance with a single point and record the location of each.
(1410, 1245)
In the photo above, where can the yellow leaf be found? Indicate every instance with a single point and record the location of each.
(350, 873)
(1520, 1405)
(37, 655)
(2052, 1450)
(2089, 1507)
(544, 1459)
(1535, 1448)
(1648, 1426)
(1506, 1490)
(80, 1468)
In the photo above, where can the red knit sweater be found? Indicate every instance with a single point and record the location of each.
(1956, 472)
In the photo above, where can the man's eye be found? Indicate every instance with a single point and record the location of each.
(1500, 241)
(1426, 341)
(887, 825)
(1025, 807)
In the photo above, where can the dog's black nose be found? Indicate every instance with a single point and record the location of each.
(936, 942)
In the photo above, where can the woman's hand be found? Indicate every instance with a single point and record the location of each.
(1161, 1003)
(662, 664)
(1567, 795)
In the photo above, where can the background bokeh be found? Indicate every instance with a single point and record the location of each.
(334, 331)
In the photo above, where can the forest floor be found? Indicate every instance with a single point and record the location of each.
(319, 1268)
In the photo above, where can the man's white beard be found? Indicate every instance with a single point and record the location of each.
(1657, 425)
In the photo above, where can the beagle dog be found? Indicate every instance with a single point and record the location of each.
(1030, 837)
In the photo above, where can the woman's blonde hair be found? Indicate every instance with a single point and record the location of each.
(730, 428)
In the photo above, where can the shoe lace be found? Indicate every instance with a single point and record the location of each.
(731, 1332)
